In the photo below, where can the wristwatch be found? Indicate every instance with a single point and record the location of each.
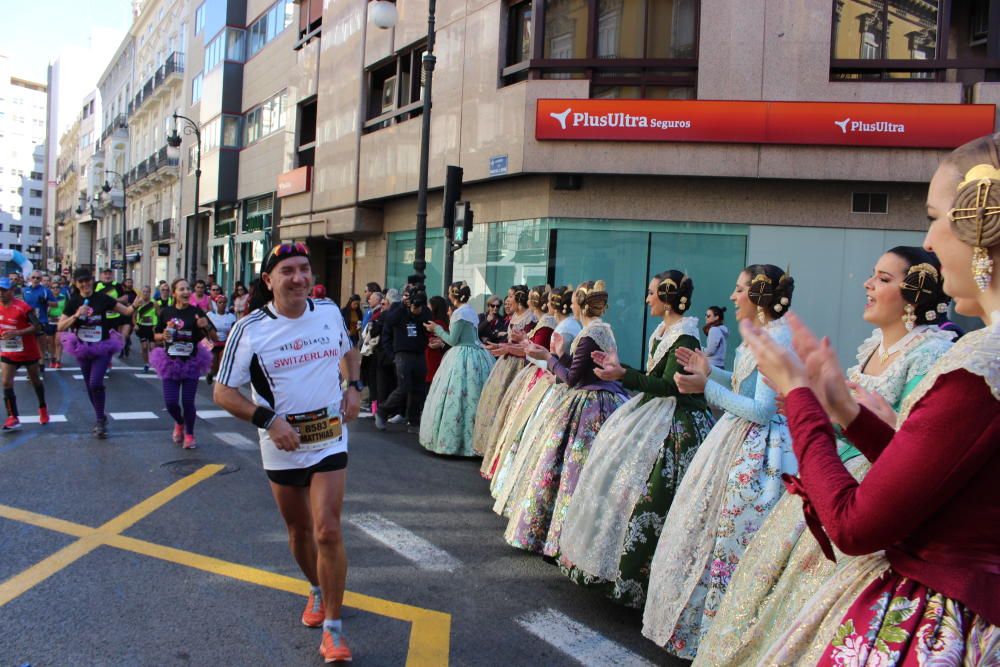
(357, 384)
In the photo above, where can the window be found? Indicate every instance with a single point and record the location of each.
(269, 117)
(35, 193)
(16, 246)
(37, 175)
(394, 89)
(227, 45)
(258, 214)
(306, 144)
(199, 18)
(35, 231)
(626, 48)
(34, 211)
(310, 20)
(269, 26)
(231, 131)
(869, 202)
(196, 88)
(898, 40)
(17, 229)
(213, 53)
(222, 131)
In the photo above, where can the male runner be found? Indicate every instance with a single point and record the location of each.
(146, 317)
(40, 298)
(129, 295)
(293, 352)
(19, 328)
(108, 285)
(61, 293)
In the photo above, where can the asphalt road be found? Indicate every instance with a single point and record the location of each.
(132, 551)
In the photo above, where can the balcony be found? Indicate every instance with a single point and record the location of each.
(162, 230)
(164, 80)
(133, 237)
(118, 122)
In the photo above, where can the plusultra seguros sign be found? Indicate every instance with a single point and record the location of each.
(816, 123)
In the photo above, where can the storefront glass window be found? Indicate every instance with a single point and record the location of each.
(566, 28)
(400, 255)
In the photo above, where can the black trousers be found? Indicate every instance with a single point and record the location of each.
(411, 387)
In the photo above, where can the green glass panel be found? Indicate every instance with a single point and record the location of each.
(618, 258)
(517, 254)
(399, 260)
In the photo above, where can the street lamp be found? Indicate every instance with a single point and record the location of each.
(385, 17)
(174, 141)
(107, 188)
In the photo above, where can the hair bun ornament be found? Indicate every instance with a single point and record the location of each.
(976, 218)
(761, 291)
(921, 285)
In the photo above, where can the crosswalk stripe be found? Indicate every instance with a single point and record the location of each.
(147, 376)
(126, 416)
(213, 414)
(78, 377)
(33, 419)
(237, 440)
(410, 546)
(577, 640)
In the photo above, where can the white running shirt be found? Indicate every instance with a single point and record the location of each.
(293, 367)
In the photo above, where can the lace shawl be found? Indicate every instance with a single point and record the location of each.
(916, 359)
(598, 331)
(687, 326)
(467, 313)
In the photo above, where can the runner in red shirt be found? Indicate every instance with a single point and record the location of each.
(19, 347)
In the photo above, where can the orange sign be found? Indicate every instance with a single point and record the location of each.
(295, 181)
(816, 123)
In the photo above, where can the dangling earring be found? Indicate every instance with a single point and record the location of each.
(760, 315)
(982, 268)
(909, 317)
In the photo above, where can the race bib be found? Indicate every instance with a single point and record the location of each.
(317, 428)
(411, 330)
(180, 349)
(89, 334)
(12, 345)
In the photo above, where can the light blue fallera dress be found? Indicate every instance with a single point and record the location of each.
(450, 410)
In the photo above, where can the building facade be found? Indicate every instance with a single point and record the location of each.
(22, 147)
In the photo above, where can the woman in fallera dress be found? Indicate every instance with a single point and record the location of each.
(540, 334)
(569, 426)
(784, 565)
(516, 461)
(507, 366)
(638, 457)
(733, 481)
(447, 422)
(924, 523)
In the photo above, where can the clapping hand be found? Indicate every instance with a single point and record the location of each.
(609, 367)
(556, 343)
(874, 402)
(693, 361)
(535, 351)
(516, 336)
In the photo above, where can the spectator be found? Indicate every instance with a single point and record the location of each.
(435, 346)
(492, 322)
(370, 289)
(385, 368)
(199, 297)
(241, 299)
(369, 351)
(319, 291)
(352, 318)
(404, 331)
(716, 335)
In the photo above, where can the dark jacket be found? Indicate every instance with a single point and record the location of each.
(404, 331)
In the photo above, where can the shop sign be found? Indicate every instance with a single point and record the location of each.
(295, 181)
(410, 254)
(811, 123)
(163, 250)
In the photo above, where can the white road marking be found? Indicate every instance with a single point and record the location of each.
(577, 640)
(126, 416)
(237, 440)
(213, 414)
(77, 377)
(410, 546)
(147, 376)
(33, 419)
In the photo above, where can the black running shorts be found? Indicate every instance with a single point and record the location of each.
(303, 476)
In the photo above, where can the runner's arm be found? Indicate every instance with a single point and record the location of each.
(123, 309)
(350, 368)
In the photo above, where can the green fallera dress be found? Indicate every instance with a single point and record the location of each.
(450, 409)
(636, 462)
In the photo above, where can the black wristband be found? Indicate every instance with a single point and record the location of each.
(262, 417)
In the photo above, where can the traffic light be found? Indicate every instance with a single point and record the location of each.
(452, 193)
(463, 223)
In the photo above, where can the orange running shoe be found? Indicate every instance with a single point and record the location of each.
(315, 612)
(43, 415)
(178, 435)
(334, 648)
(189, 442)
(12, 424)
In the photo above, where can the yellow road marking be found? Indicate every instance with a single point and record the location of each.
(430, 631)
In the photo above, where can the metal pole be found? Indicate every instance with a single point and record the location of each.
(124, 209)
(449, 260)
(193, 238)
(419, 262)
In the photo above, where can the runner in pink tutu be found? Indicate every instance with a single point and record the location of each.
(88, 335)
(183, 359)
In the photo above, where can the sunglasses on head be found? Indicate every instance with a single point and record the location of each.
(289, 248)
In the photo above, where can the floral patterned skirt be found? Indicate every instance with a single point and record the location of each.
(898, 621)
(782, 568)
(507, 414)
(449, 411)
(488, 417)
(635, 554)
(514, 428)
(571, 425)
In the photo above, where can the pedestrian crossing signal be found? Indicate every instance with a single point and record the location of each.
(463, 223)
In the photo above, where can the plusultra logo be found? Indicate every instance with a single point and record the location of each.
(847, 125)
(561, 117)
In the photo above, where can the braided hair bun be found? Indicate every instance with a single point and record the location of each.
(675, 289)
(922, 286)
(770, 288)
(560, 300)
(520, 294)
(460, 291)
(592, 298)
(538, 296)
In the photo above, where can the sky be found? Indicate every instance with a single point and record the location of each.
(65, 22)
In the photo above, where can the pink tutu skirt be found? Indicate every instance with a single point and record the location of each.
(83, 351)
(174, 368)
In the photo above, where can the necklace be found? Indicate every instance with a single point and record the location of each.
(898, 346)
